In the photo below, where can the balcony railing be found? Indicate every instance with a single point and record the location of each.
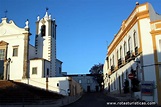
(127, 57)
(119, 62)
(136, 50)
(112, 68)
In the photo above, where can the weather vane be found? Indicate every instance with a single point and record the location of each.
(47, 9)
(5, 12)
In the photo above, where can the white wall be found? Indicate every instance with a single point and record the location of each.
(39, 64)
(46, 45)
(147, 67)
(58, 67)
(42, 66)
(13, 35)
(56, 84)
(86, 81)
(31, 51)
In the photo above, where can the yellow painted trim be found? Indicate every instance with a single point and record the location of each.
(140, 40)
(158, 25)
(157, 32)
(156, 68)
(136, 18)
(155, 21)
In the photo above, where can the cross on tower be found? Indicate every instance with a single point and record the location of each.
(47, 9)
(5, 12)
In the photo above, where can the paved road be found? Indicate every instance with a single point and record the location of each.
(93, 100)
(99, 100)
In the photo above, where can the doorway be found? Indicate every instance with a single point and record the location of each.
(1, 69)
(88, 89)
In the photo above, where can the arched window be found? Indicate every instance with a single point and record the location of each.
(125, 49)
(129, 43)
(113, 59)
(135, 39)
(43, 30)
(120, 51)
(117, 54)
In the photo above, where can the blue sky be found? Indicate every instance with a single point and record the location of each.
(85, 27)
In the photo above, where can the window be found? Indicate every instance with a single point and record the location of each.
(110, 62)
(160, 45)
(135, 39)
(34, 70)
(57, 84)
(117, 54)
(80, 81)
(113, 59)
(2, 54)
(15, 51)
(120, 51)
(125, 48)
(43, 30)
(88, 81)
(129, 44)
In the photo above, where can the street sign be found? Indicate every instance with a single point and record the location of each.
(147, 88)
(131, 76)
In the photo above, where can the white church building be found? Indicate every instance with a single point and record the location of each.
(19, 59)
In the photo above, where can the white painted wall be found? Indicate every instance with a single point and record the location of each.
(158, 46)
(46, 45)
(13, 35)
(42, 66)
(58, 67)
(31, 51)
(56, 84)
(86, 81)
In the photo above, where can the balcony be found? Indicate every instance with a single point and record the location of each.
(127, 57)
(120, 62)
(112, 68)
(136, 51)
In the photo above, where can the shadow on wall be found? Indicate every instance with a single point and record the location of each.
(136, 70)
(61, 85)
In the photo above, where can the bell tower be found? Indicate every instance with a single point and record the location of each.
(45, 40)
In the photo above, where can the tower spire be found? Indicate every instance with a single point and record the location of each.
(46, 15)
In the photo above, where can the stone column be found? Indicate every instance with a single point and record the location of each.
(26, 53)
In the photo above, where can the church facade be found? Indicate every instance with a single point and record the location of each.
(19, 59)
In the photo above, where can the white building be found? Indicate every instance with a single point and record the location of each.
(21, 59)
(87, 81)
(62, 85)
(136, 49)
(14, 47)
